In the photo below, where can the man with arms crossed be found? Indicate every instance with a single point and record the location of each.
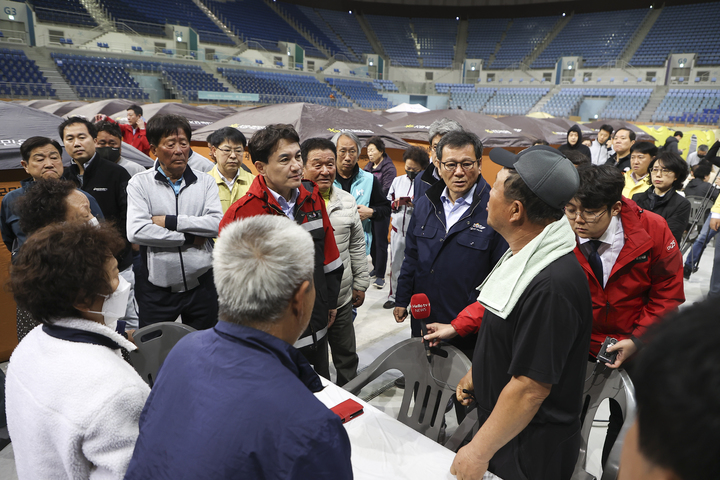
(530, 361)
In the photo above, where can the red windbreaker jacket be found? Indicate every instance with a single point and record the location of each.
(645, 283)
(310, 214)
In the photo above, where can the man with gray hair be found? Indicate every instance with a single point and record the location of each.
(371, 203)
(529, 366)
(236, 401)
(431, 176)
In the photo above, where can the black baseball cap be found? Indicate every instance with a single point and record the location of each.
(546, 171)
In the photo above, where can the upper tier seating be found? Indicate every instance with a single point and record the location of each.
(523, 36)
(514, 101)
(254, 20)
(21, 76)
(689, 106)
(679, 29)
(166, 11)
(98, 77)
(437, 38)
(347, 28)
(275, 87)
(362, 93)
(483, 36)
(597, 37)
(71, 12)
(395, 35)
(189, 79)
(311, 21)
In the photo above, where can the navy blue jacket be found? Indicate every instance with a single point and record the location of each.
(234, 402)
(12, 234)
(448, 267)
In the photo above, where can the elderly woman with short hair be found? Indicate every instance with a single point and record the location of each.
(73, 403)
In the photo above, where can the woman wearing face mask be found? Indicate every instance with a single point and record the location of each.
(382, 167)
(49, 201)
(667, 174)
(73, 403)
(401, 200)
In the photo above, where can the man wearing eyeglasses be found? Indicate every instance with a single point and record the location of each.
(450, 248)
(227, 148)
(633, 265)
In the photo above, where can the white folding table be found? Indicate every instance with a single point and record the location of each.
(384, 448)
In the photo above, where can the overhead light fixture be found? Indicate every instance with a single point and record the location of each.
(371, 63)
(569, 67)
(682, 65)
(457, 18)
(11, 17)
(563, 14)
(596, 115)
(350, 12)
(472, 68)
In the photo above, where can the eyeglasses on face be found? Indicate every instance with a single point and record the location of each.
(452, 166)
(657, 171)
(589, 217)
(228, 151)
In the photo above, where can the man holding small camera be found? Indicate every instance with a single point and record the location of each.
(633, 265)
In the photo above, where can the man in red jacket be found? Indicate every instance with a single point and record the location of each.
(633, 265)
(134, 131)
(279, 189)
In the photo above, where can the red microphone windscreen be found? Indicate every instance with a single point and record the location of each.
(420, 306)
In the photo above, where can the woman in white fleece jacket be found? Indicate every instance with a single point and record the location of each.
(73, 403)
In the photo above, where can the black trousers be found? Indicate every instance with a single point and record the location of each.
(317, 356)
(539, 452)
(341, 337)
(379, 247)
(197, 308)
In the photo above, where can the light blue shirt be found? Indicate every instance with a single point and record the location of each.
(454, 212)
(176, 186)
(287, 206)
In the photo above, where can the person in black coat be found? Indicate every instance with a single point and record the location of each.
(106, 181)
(574, 142)
(671, 143)
(668, 172)
(700, 185)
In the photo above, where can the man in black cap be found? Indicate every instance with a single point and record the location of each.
(530, 360)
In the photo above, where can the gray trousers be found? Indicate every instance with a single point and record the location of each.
(397, 255)
(341, 338)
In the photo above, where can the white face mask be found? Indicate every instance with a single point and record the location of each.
(115, 304)
(94, 222)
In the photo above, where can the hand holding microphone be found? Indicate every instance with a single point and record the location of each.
(420, 310)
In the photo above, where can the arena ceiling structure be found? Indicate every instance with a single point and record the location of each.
(484, 8)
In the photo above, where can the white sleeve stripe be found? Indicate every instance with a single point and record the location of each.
(337, 263)
(312, 224)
